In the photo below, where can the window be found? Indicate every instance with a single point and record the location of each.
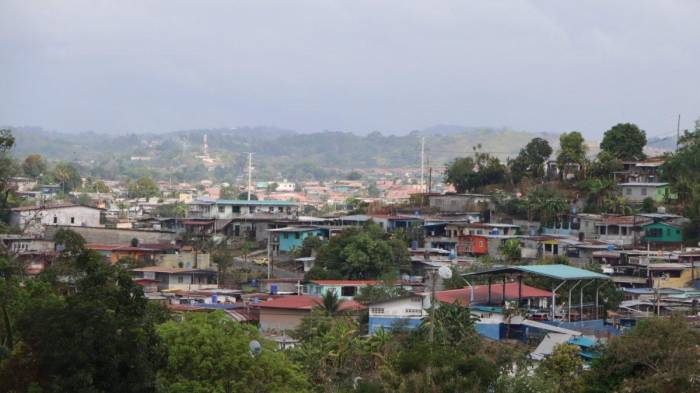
(286, 235)
(72, 220)
(222, 209)
(180, 279)
(644, 191)
(297, 235)
(55, 220)
(602, 230)
(628, 191)
(412, 311)
(654, 232)
(377, 310)
(348, 291)
(236, 209)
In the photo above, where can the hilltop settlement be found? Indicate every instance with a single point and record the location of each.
(565, 268)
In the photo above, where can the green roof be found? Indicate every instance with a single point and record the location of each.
(266, 202)
(563, 272)
(559, 272)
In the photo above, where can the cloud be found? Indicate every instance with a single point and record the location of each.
(358, 66)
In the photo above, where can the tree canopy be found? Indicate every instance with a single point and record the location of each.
(470, 174)
(572, 150)
(360, 253)
(208, 352)
(144, 187)
(625, 141)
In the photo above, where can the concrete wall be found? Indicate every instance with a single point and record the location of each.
(184, 258)
(115, 236)
(281, 319)
(33, 221)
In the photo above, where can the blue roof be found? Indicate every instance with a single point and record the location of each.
(243, 202)
(563, 272)
(582, 341)
(559, 272)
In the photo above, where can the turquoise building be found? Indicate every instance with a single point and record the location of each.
(288, 238)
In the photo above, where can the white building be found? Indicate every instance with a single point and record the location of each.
(32, 219)
(178, 278)
(227, 209)
(285, 186)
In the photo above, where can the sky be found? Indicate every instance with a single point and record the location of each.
(356, 65)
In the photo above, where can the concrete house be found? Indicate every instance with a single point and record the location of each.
(286, 313)
(177, 278)
(227, 209)
(32, 219)
(638, 192)
(289, 238)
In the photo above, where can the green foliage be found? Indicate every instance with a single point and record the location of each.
(360, 253)
(178, 210)
(530, 161)
(7, 140)
(98, 338)
(67, 175)
(101, 187)
(69, 242)
(309, 246)
(547, 206)
(8, 169)
(658, 355)
(376, 293)
(625, 141)
(648, 205)
(354, 175)
(471, 174)
(604, 165)
(564, 367)
(208, 352)
(243, 196)
(572, 150)
(34, 165)
(144, 187)
(511, 250)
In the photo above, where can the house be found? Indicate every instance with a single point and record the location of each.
(619, 230)
(285, 186)
(288, 239)
(638, 192)
(390, 223)
(663, 234)
(404, 312)
(32, 219)
(286, 313)
(640, 171)
(170, 278)
(460, 203)
(227, 208)
(346, 289)
(407, 312)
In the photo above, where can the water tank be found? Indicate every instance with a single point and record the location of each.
(273, 289)
(414, 245)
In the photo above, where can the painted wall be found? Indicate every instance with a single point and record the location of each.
(288, 241)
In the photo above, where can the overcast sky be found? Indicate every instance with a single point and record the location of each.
(353, 65)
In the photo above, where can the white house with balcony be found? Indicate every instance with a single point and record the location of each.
(228, 208)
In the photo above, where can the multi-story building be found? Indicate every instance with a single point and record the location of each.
(227, 209)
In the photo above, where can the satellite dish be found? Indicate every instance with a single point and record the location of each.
(254, 347)
(445, 272)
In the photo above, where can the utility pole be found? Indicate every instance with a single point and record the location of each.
(678, 131)
(250, 173)
(422, 161)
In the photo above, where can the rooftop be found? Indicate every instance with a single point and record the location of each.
(560, 272)
(303, 302)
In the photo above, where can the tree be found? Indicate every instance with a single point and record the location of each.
(530, 161)
(668, 361)
(244, 196)
(34, 165)
(468, 174)
(360, 253)
(572, 151)
(67, 175)
(330, 303)
(178, 210)
(565, 367)
(101, 187)
(85, 341)
(354, 175)
(511, 250)
(625, 141)
(7, 140)
(8, 169)
(604, 165)
(648, 205)
(208, 352)
(144, 187)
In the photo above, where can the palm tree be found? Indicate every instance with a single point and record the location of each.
(330, 303)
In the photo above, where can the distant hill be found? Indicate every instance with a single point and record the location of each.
(276, 151)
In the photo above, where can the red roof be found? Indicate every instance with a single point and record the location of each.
(481, 293)
(346, 282)
(306, 303)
